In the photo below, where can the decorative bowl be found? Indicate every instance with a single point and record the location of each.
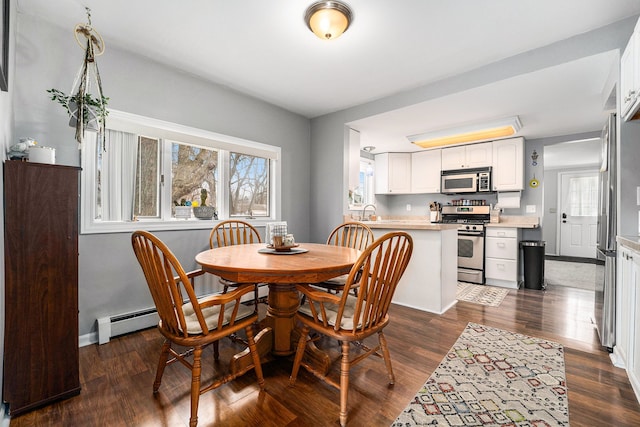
(204, 212)
(283, 248)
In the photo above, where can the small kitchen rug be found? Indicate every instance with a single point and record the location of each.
(492, 377)
(481, 294)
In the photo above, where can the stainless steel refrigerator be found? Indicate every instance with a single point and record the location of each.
(605, 293)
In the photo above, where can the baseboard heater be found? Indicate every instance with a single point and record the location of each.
(124, 323)
(112, 326)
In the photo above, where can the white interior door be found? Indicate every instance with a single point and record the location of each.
(578, 214)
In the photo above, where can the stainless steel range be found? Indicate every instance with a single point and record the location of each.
(471, 220)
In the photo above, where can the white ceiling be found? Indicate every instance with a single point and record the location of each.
(263, 48)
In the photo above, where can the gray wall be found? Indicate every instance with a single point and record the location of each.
(111, 282)
(327, 132)
(629, 178)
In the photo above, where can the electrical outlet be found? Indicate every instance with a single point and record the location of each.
(408, 207)
(531, 209)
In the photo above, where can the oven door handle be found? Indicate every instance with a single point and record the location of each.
(471, 233)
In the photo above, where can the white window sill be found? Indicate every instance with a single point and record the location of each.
(151, 225)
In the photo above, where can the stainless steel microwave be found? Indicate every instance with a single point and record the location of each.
(475, 180)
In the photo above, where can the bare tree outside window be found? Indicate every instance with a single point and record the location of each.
(192, 169)
(146, 199)
(248, 185)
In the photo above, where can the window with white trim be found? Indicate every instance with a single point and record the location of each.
(146, 167)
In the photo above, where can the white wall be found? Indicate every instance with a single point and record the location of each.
(111, 282)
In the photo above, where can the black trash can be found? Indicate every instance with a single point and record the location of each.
(533, 257)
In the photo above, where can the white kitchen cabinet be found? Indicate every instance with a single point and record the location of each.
(393, 173)
(508, 164)
(467, 156)
(627, 346)
(630, 76)
(425, 171)
(634, 368)
(626, 278)
(501, 257)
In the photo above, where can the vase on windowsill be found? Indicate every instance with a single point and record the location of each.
(183, 212)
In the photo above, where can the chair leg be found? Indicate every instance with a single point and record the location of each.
(195, 386)
(253, 349)
(164, 355)
(216, 350)
(344, 382)
(387, 357)
(302, 344)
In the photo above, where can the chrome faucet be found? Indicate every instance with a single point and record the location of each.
(365, 208)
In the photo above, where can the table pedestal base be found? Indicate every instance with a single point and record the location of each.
(278, 335)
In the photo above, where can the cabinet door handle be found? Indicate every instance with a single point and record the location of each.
(500, 266)
(501, 245)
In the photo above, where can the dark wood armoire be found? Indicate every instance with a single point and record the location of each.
(41, 284)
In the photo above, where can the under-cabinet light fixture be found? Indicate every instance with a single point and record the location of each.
(477, 132)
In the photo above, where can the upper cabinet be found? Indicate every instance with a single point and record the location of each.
(425, 171)
(393, 173)
(420, 172)
(630, 76)
(467, 156)
(508, 164)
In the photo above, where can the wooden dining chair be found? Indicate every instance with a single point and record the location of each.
(355, 235)
(190, 322)
(235, 232)
(351, 319)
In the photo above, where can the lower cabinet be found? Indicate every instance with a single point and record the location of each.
(501, 257)
(627, 347)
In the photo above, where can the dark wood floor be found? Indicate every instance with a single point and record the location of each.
(117, 377)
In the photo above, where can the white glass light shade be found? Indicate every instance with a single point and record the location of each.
(328, 19)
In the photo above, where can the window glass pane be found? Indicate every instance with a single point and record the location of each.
(583, 196)
(147, 190)
(193, 169)
(363, 193)
(248, 185)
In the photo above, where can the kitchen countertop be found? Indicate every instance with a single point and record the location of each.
(631, 242)
(410, 225)
(516, 221)
(423, 223)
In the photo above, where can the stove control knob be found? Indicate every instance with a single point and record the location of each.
(474, 227)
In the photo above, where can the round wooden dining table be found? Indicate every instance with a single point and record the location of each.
(248, 263)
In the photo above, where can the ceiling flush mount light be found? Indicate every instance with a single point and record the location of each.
(471, 133)
(328, 19)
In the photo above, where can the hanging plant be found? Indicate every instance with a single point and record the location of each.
(88, 110)
(94, 109)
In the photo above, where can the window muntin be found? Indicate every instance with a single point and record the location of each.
(155, 139)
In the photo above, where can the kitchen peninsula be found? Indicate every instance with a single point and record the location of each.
(430, 281)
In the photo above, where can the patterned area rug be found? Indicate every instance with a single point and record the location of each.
(492, 377)
(480, 294)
